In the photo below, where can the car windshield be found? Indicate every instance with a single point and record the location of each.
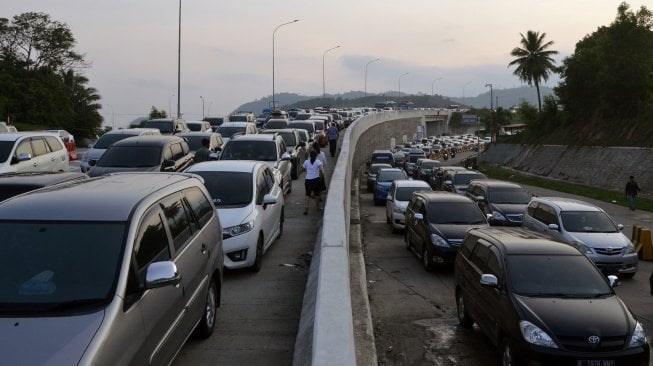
(163, 126)
(107, 140)
(249, 150)
(455, 213)
(405, 193)
(5, 150)
(413, 158)
(195, 127)
(515, 196)
(555, 276)
(374, 168)
(228, 131)
(288, 138)
(430, 164)
(228, 188)
(463, 179)
(276, 124)
(587, 222)
(238, 118)
(194, 142)
(319, 125)
(131, 157)
(310, 127)
(52, 267)
(390, 175)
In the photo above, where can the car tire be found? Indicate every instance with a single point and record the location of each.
(289, 186)
(463, 317)
(281, 218)
(258, 261)
(426, 259)
(406, 240)
(204, 328)
(507, 355)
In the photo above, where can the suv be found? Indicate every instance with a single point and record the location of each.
(32, 152)
(504, 201)
(436, 223)
(96, 151)
(586, 227)
(122, 276)
(229, 129)
(167, 126)
(458, 181)
(270, 149)
(199, 126)
(295, 147)
(144, 154)
(542, 302)
(13, 184)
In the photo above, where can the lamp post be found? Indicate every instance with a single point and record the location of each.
(179, 66)
(432, 84)
(464, 100)
(201, 97)
(323, 82)
(491, 111)
(112, 116)
(169, 105)
(273, 33)
(400, 76)
(366, 65)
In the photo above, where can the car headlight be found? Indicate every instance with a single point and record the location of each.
(534, 335)
(638, 338)
(629, 249)
(231, 231)
(581, 247)
(439, 241)
(498, 216)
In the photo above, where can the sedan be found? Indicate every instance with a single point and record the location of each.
(383, 181)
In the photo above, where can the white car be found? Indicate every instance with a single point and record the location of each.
(32, 152)
(398, 197)
(250, 205)
(199, 126)
(95, 152)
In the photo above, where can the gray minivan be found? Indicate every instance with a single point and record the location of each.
(122, 275)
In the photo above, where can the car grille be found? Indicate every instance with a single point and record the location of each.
(515, 217)
(608, 251)
(455, 242)
(607, 344)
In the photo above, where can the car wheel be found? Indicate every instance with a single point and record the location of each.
(426, 259)
(463, 318)
(258, 261)
(507, 355)
(289, 186)
(406, 240)
(281, 223)
(204, 328)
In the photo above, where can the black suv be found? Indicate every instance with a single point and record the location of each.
(543, 302)
(436, 223)
(144, 154)
(505, 201)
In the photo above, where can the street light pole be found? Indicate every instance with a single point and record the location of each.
(400, 76)
(169, 105)
(491, 111)
(366, 65)
(465, 100)
(179, 66)
(201, 97)
(432, 84)
(323, 82)
(274, 102)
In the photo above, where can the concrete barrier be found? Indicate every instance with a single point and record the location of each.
(326, 335)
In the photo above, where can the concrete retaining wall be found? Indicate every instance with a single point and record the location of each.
(602, 167)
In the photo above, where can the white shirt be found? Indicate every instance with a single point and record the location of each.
(321, 157)
(312, 170)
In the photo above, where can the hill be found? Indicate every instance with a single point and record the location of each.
(507, 97)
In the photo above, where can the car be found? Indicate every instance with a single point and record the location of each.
(382, 156)
(295, 147)
(122, 275)
(399, 158)
(543, 302)
(68, 141)
(457, 181)
(214, 121)
(242, 116)
(442, 173)
(585, 226)
(32, 152)
(399, 195)
(384, 179)
(411, 159)
(194, 140)
(504, 201)
(425, 169)
(96, 150)
(144, 154)
(371, 175)
(228, 129)
(167, 126)
(436, 223)
(270, 149)
(276, 123)
(250, 203)
(307, 125)
(13, 184)
(199, 126)
(320, 130)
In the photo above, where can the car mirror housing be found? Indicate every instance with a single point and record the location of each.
(553, 227)
(161, 274)
(620, 227)
(269, 199)
(489, 280)
(614, 280)
(419, 216)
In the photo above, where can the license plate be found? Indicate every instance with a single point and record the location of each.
(595, 363)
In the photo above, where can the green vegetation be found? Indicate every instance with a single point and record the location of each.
(590, 192)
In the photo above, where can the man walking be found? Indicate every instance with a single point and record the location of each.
(332, 134)
(631, 191)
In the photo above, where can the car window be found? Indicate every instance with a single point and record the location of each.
(531, 209)
(463, 179)
(163, 126)
(480, 255)
(494, 266)
(587, 222)
(199, 204)
(405, 193)
(54, 143)
(152, 244)
(194, 142)
(508, 196)
(107, 140)
(177, 151)
(178, 221)
(24, 148)
(228, 188)
(390, 175)
(546, 214)
(269, 180)
(468, 245)
(131, 157)
(5, 150)
(228, 131)
(39, 147)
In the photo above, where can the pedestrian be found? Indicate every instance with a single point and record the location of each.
(631, 191)
(203, 153)
(332, 134)
(320, 154)
(313, 180)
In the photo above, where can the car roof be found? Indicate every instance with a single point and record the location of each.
(514, 241)
(110, 197)
(274, 130)
(442, 196)
(400, 183)
(39, 178)
(253, 137)
(132, 131)
(13, 136)
(245, 166)
(495, 183)
(568, 204)
(151, 140)
(236, 124)
(198, 133)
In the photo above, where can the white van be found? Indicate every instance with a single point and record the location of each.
(32, 152)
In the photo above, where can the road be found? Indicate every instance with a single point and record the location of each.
(414, 312)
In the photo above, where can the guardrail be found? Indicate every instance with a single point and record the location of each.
(326, 330)
(642, 242)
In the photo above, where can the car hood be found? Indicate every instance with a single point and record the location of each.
(47, 340)
(509, 208)
(93, 154)
(232, 216)
(97, 171)
(454, 232)
(578, 317)
(601, 240)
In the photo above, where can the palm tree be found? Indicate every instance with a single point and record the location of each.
(534, 62)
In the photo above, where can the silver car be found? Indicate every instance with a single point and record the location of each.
(120, 275)
(588, 228)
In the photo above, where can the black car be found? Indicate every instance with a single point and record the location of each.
(144, 154)
(458, 181)
(505, 201)
(436, 223)
(13, 184)
(543, 302)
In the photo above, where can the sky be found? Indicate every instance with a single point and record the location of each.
(450, 48)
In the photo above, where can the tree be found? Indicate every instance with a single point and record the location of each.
(155, 113)
(496, 120)
(534, 61)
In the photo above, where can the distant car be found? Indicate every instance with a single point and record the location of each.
(32, 152)
(295, 147)
(214, 121)
(68, 141)
(167, 126)
(458, 181)
(372, 171)
(276, 123)
(199, 126)
(228, 129)
(399, 195)
(384, 179)
(144, 154)
(95, 152)
(307, 125)
(194, 140)
(505, 201)
(426, 169)
(382, 157)
(250, 203)
(436, 223)
(13, 184)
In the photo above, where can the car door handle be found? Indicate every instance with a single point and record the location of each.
(204, 248)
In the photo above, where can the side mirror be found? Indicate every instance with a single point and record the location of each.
(614, 280)
(161, 274)
(553, 227)
(419, 216)
(447, 182)
(302, 144)
(24, 156)
(480, 198)
(489, 280)
(489, 217)
(167, 165)
(620, 227)
(269, 199)
(285, 156)
(389, 197)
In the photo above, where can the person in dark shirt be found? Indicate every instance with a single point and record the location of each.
(631, 191)
(202, 154)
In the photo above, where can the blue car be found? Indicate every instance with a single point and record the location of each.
(384, 180)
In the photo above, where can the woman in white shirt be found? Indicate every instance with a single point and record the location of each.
(313, 180)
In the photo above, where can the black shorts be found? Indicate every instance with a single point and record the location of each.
(313, 186)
